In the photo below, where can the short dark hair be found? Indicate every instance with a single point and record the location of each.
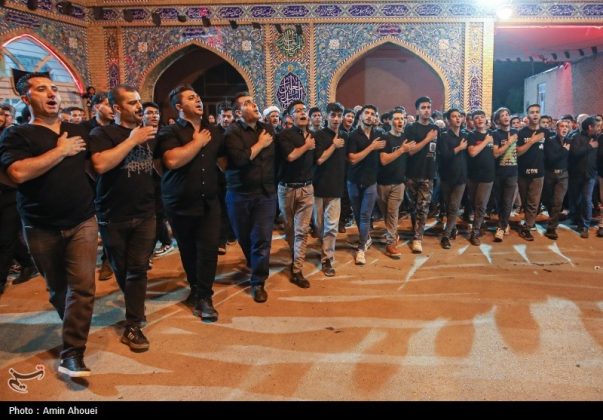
(588, 122)
(333, 107)
(9, 108)
(224, 107)
(235, 99)
(399, 110)
(149, 104)
(547, 117)
(313, 110)
(568, 117)
(75, 108)
(115, 93)
(386, 115)
(421, 100)
(368, 106)
(498, 113)
(98, 98)
(448, 113)
(478, 112)
(292, 105)
(347, 111)
(23, 82)
(532, 106)
(176, 94)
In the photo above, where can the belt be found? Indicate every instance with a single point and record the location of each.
(558, 171)
(295, 184)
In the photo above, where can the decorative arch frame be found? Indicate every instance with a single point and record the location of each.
(10, 36)
(170, 56)
(358, 54)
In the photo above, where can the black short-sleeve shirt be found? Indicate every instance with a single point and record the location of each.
(300, 170)
(482, 166)
(531, 163)
(364, 172)
(126, 191)
(506, 164)
(185, 190)
(62, 197)
(422, 165)
(330, 176)
(452, 166)
(395, 172)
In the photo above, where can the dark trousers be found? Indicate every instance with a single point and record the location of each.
(480, 194)
(67, 259)
(226, 229)
(9, 232)
(252, 217)
(504, 189)
(553, 193)
(582, 191)
(129, 245)
(198, 238)
(452, 195)
(530, 191)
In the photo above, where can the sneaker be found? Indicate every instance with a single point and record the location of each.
(222, 250)
(499, 235)
(474, 239)
(526, 234)
(164, 250)
(135, 339)
(74, 367)
(26, 274)
(551, 234)
(341, 228)
(417, 247)
(368, 243)
(327, 268)
(392, 251)
(445, 242)
(454, 232)
(259, 293)
(600, 232)
(584, 233)
(360, 258)
(231, 242)
(105, 272)
(508, 230)
(205, 310)
(533, 228)
(299, 280)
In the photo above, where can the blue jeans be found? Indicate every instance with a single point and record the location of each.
(252, 218)
(67, 260)
(129, 246)
(583, 190)
(363, 201)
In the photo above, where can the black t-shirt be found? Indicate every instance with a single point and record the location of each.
(506, 164)
(531, 163)
(330, 176)
(363, 173)
(185, 190)
(481, 166)
(452, 166)
(555, 155)
(582, 157)
(422, 164)
(126, 191)
(395, 172)
(62, 197)
(300, 170)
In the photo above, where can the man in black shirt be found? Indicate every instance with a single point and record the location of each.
(481, 171)
(55, 199)
(363, 149)
(600, 172)
(122, 156)
(505, 183)
(391, 177)
(530, 152)
(329, 178)
(420, 171)
(103, 113)
(556, 153)
(250, 194)
(295, 191)
(583, 171)
(189, 152)
(452, 161)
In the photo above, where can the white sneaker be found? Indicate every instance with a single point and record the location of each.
(417, 247)
(360, 259)
(508, 230)
(499, 235)
(368, 243)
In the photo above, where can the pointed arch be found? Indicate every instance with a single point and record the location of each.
(350, 61)
(170, 56)
(12, 36)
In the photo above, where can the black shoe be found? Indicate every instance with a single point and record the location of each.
(445, 242)
(222, 249)
(299, 280)
(27, 273)
(134, 338)
(526, 234)
(192, 298)
(551, 234)
(453, 233)
(259, 293)
(205, 310)
(474, 239)
(584, 233)
(74, 367)
(341, 229)
(327, 268)
(600, 232)
(105, 272)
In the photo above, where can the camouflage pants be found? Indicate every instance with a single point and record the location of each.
(420, 195)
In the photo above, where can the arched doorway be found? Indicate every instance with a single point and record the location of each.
(388, 76)
(213, 78)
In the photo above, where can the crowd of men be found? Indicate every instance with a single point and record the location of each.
(121, 174)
